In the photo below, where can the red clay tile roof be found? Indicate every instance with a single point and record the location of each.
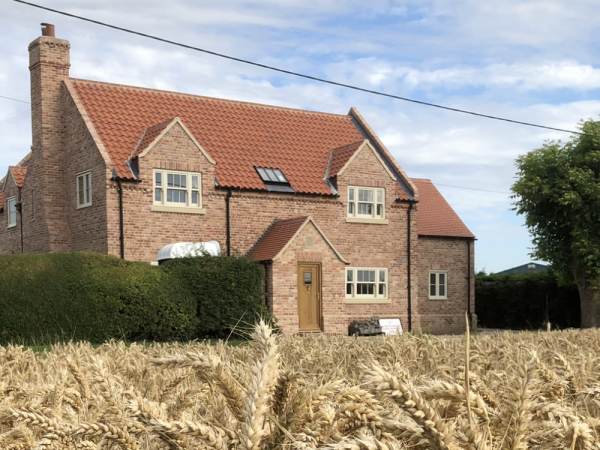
(436, 217)
(19, 174)
(276, 239)
(341, 156)
(401, 195)
(237, 135)
(1, 199)
(149, 135)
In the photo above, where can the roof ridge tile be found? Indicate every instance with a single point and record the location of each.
(210, 99)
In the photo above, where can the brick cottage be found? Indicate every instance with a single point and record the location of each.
(341, 229)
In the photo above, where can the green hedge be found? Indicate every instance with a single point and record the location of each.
(88, 296)
(228, 292)
(522, 302)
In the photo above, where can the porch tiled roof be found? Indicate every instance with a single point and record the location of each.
(237, 135)
(436, 217)
(1, 199)
(276, 239)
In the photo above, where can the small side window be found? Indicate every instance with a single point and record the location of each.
(438, 281)
(84, 189)
(11, 207)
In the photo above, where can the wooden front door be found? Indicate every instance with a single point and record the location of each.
(309, 297)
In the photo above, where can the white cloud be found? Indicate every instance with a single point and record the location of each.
(507, 58)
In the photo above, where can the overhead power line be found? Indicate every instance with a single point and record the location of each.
(471, 189)
(437, 184)
(14, 99)
(297, 74)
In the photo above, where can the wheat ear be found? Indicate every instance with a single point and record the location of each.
(264, 376)
(434, 429)
(107, 431)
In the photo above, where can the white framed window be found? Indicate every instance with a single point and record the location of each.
(11, 207)
(366, 283)
(177, 189)
(366, 203)
(438, 285)
(84, 189)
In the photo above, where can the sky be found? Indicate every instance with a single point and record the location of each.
(532, 61)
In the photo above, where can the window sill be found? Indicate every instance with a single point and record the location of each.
(437, 298)
(361, 220)
(367, 301)
(174, 209)
(12, 226)
(83, 206)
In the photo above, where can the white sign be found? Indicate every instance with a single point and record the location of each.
(391, 326)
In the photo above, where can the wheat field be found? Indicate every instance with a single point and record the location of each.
(521, 390)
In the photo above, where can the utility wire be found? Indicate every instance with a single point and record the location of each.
(471, 189)
(289, 72)
(14, 99)
(437, 184)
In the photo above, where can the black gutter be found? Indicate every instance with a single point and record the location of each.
(408, 252)
(121, 225)
(19, 207)
(469, 279)
(228, 225)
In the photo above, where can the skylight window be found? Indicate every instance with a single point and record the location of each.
(275, 180)
(272, 175)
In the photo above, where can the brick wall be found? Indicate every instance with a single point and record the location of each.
(10, 238)
(88, 225)
(364, 245)
(445, 316)
(147, 231)
(45, 221)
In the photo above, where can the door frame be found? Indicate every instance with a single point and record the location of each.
(319, 287)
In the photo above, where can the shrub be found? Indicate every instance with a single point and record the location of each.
(525, 301)
(228, 292)
(88, 296)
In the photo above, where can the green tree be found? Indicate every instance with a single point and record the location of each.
(558, 192)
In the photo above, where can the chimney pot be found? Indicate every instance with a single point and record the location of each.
(48, 30)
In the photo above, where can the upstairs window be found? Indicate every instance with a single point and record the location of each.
(438, 283)
(11, 207)
(366, 203)
(84, 189)
(177, 189)
(366, 283)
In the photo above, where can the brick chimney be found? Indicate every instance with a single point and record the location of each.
(49, 63)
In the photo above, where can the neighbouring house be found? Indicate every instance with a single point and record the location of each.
(343, 232)
(525, 268)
